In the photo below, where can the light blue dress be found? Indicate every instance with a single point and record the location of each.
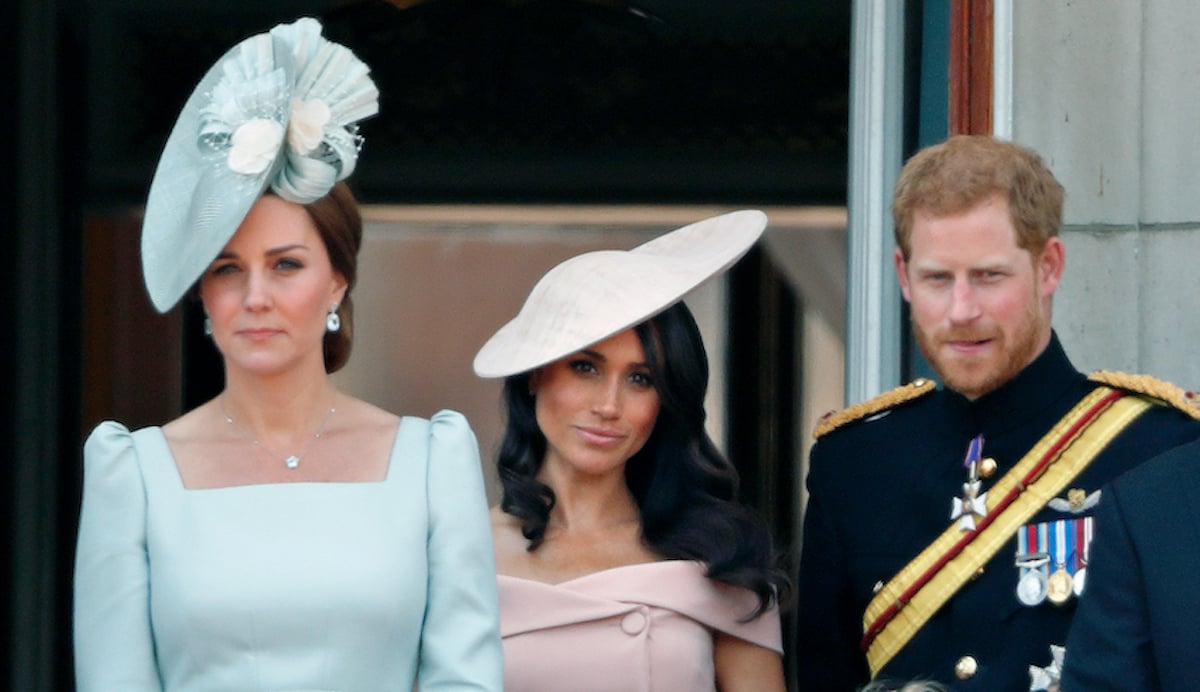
(286, 586)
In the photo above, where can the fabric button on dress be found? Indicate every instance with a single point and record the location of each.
(576, 634)
(633, 623)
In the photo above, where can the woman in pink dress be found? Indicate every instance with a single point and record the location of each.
(624, 560)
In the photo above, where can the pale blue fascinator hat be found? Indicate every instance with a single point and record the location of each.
(590, 297)
(278, 111)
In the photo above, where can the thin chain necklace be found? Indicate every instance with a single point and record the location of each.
(291, 461)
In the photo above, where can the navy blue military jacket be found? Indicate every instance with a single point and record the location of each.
(881, 490)
(1136, 628)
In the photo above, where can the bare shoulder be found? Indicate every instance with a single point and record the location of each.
(501, 518)
(363, 436)
(366, 416)
(194, 426)
(742, 665)
(506, 530)
(511, 546)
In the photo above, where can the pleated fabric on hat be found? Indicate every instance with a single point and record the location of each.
(278, 110)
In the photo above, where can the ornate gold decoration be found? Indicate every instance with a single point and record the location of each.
(890, 399)
(1188, 402)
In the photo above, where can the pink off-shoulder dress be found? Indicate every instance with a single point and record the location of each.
(639, 628)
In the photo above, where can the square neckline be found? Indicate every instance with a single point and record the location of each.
(177, 475)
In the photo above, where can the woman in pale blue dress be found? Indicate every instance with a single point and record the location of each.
(284, 535)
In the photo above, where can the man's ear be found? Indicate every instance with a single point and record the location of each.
(1050, 265)
(901, 273)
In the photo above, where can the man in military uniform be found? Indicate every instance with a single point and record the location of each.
(1136, 627)
(947, 527)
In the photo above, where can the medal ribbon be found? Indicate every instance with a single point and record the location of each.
(1062, 544)
(1083, 542)
(910, 598)
(1088, 527)
(974, 452)
(1031, 558)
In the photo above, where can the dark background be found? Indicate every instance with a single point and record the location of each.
(661, 101)
(519, 101)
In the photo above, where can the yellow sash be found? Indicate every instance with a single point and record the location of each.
(901, 607)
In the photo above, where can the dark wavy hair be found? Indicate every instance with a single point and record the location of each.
(686, 490)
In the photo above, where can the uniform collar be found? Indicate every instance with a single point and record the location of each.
(1024, 397)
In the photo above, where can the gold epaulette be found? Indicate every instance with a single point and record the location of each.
(1164, 391)
(906, 392)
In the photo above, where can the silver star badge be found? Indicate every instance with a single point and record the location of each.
(1047, 679)
(971, 505)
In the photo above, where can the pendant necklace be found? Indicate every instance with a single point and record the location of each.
(290, 461)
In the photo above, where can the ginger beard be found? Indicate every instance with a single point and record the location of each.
(974, 375)
(980, 303)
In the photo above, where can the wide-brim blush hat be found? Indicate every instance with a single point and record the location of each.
(278, 110)
(590, 297)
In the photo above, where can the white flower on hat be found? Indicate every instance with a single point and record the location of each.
(254, 145)
(306, 126)
(277, 111)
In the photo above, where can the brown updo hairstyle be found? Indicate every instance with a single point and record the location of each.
(339, 224)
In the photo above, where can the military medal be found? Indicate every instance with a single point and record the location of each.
(1059, 588)
(1083, 543)
(1032, 584)
(972, 503)
(1048, 677)
(1032, 587)
(1052, 560)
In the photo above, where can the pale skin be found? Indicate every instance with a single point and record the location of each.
(980, 304)
(267, 295)
(597, 408)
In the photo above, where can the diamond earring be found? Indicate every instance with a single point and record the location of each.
(332, 321)
(207, 326)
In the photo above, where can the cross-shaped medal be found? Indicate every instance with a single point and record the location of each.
(972, 503)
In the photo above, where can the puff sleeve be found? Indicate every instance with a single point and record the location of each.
(460, 638)
(114, 646)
